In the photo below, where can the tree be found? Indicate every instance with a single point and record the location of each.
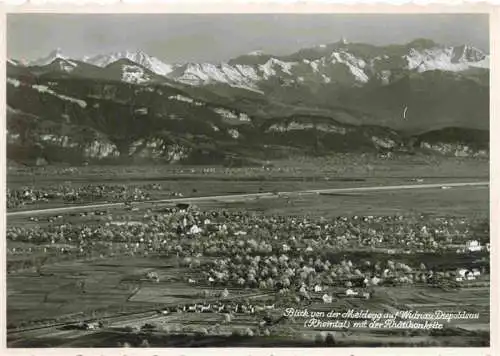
(319, 339)
(196, 263)
(39, 263)
(148, 327)
(270, 282)
(251, 281)
(203, 331)
(144, 343)
(390, 265)
(283, 291)
(216, 328)
(186, 261)
(81, 285)
(330, 339)
(407, 269)
(304, 294)
(224, 293)
(285, 282)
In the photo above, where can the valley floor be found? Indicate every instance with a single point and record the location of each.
(46, 300)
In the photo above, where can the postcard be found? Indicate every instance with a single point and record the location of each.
(248, 179)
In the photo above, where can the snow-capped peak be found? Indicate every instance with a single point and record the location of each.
(256, 53)
(467, 53)
(453, 59)
(320, 64)
(139, 57)
(420, 55)
(51, 57)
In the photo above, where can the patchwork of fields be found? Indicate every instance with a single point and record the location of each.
(107, 280)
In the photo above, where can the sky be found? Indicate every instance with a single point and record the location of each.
(176, 38)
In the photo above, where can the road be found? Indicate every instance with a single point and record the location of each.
(233, 197)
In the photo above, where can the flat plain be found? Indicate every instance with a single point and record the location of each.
(107, 280)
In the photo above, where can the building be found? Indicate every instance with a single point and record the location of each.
(327, 299)
(460, 275)
(473, 246)
(194, 230)
(375, 281)
(182, 206)
(153, 276)
(90, 325)
(464, 274)
(350, 293)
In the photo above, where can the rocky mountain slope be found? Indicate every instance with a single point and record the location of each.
(339, 97)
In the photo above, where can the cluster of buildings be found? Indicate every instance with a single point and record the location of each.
(464, 274)
(218, 307)
(473, 246)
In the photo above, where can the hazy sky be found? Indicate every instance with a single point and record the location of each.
(218, 37)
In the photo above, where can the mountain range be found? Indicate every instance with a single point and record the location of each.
(328, 98)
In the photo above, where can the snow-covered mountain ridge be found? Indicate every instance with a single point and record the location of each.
(332, 64)
(152, 63)
(336, 63)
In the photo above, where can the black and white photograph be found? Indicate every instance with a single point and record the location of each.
(247, 180)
